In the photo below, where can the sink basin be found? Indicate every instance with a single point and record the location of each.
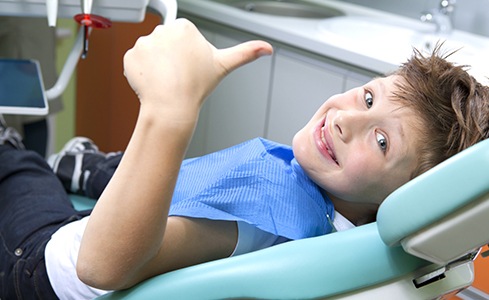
(371, 31)
(394, 40)
(284, 8)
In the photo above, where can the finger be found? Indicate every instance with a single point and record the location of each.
(234, 57)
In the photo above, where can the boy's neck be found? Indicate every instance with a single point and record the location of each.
(357, 213)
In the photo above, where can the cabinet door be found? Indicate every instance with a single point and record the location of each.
(355, 79)
(198, 142)
(300, 85)
(236, 110)
(106, 106)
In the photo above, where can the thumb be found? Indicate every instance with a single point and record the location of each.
(239, 55)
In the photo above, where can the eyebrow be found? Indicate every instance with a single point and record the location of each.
(399, 126)
(401, 130)
(381, 84)
(400, 137)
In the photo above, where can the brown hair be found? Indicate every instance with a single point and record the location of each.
(451, 104)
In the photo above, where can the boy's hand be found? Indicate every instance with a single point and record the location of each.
(175, 68)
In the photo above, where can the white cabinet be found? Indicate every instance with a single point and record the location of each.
(272, 97)
(301, 82)
(300, 85)
(236, 110)
(357, 78)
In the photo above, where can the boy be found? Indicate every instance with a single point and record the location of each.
(357, 148)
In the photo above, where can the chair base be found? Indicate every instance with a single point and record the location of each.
(454, 281)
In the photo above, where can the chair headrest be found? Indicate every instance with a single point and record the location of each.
(435, 194)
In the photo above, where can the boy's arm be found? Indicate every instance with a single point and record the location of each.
(129, 237)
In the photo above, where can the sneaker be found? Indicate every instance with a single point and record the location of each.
(10, 135)
(73, 146)
(80, 144)
(73, 163)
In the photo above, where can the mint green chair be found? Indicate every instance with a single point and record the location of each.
(422, 246)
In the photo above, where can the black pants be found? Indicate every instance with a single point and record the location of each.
(33, 205)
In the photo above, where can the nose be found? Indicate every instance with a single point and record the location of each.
(349, 123)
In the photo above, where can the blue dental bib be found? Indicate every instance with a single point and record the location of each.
(258, 182)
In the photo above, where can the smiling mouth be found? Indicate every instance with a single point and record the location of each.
(325, 143)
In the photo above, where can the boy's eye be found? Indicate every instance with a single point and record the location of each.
(382, 141)
(369, 99)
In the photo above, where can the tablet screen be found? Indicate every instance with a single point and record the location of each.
(21, 88)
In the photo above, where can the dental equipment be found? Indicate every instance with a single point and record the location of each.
(116, 11)
(87, 20)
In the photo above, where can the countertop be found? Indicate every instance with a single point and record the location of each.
(374, 53)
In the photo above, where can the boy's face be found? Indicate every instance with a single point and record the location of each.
(360, 145)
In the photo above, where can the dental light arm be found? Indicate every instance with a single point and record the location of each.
(168, 9)
(68, 68)
(52, 12)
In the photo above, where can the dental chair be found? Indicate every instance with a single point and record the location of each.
(422, 246)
